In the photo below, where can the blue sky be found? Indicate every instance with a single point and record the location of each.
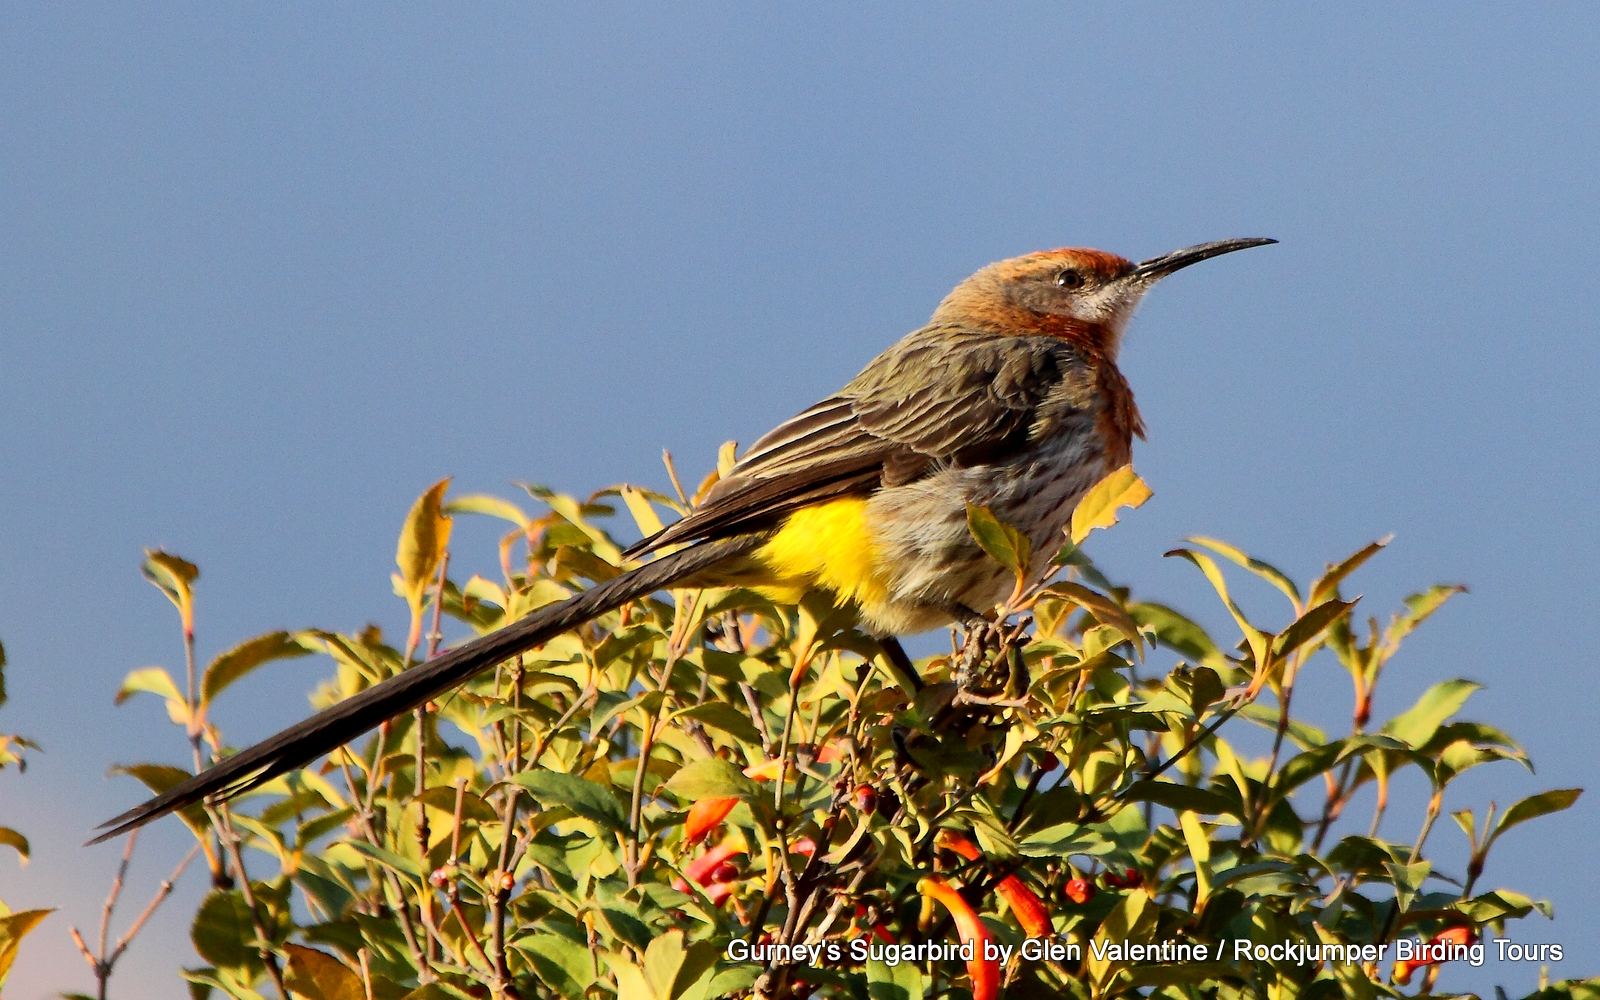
(266, 274)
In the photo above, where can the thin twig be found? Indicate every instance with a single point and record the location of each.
(222, 819)
(160, 897)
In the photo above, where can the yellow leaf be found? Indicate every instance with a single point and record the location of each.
(1098, 508)
(631, 984)
(1194, 835)
(175, 576)
(422, 543)
(319, 976)
(644, 515)
(13, 927)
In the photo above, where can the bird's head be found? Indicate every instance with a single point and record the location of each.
(1086, 296)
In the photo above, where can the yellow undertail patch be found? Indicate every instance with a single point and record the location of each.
(828, 544)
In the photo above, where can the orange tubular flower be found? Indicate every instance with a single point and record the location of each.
(704, 817)
(769, 769)
(1436, 949)
(1024, 902)
(702, 868)
(984, 972)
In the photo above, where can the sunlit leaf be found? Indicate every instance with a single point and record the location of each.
(150, 680)
(591, 800)
(712, 778)
(1264, 570)
(423, 541)
(1099, 506)
(1417, 724)
(1542, 804)
(723, 716)
(1005, 544)
(13, 928)
(490, 506)
(1256, 638)
(16, 841)
(317, 975)
(245, 657)
(175, 577)
(1327, 584)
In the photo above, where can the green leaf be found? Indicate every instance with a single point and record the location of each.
(245, 657)
(1005, 544)
(1178, 798)
(901, 981)
(723, 716)
(1534, 806)
(1303, 735)
(160, 777)
(1099, 506)
(1327, 584)
(562, 963)
(712, 778)
(1180, 634)
(588, 799)
(1304, 766)
(388, 859)
(1420, 607)
(1254, 636)
(1416, 725)
(150, 680)
(1133, 920)
(224, 934)
(1408, 880)
(1309, 625)
(661, 963)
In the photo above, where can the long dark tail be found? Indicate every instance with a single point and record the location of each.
(335, 726)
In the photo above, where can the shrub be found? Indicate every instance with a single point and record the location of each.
(680, 800)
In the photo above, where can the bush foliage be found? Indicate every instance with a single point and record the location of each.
(633, 808)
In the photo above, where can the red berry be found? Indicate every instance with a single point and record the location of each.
(725, 872)
(1079, 890)
(865, 798)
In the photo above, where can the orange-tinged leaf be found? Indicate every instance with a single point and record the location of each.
(1099, 506)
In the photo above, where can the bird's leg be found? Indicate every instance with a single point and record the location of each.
(896, 654)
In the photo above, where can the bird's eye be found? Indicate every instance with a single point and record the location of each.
(1069, 279)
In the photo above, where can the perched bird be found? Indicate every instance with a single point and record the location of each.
(1009, 398)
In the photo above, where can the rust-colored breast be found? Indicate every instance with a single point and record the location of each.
(1119, 420)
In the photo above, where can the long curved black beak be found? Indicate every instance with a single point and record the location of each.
(1159, 267)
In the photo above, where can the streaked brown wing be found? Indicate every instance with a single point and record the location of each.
(938, 397)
